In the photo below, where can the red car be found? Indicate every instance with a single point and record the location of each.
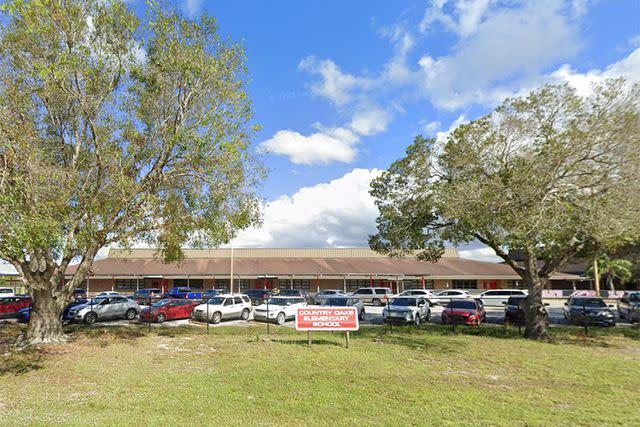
(465, 311)
(9, 306)
(168, 309)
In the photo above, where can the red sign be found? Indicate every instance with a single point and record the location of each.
(327, 319)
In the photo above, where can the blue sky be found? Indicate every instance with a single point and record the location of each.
(342, 88)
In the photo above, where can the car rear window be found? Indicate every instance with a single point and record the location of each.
(469, 305)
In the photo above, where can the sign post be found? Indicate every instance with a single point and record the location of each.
(343, 319)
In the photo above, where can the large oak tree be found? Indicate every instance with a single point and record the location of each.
(550, 175)
(114, 130)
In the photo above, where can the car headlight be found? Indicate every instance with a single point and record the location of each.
(606, 313)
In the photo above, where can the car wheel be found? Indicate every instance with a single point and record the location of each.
(216, 317)
(361, 315)
(161, 317)
(245, 314)
(376, 302)
(90, 318)
(280, 319)
(131, 314)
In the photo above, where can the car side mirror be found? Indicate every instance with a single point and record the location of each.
(610, 305)
(504, 303)
(566, 303)
(547, 304)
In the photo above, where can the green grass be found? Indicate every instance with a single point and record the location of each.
(242, 376)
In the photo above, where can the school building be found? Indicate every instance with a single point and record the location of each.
(311, 269)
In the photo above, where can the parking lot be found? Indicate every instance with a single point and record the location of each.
(495, 316)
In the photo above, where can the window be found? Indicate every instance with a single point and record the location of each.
(364, 291)
(193, 283)
(126, 283)
(304, 284)
(237, 300)
(242, 284)
(465, 284)
(382, 291)
(353, 284)
(222, 284)
(417, 284)
(228, 301)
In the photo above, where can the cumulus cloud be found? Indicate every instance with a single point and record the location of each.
(6, 268)
(339, 213)
(479, 252)
(335, 85)
(327, 146)
(370, 122)
(509, 44)
(464, 20)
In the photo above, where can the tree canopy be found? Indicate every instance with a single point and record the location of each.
(551, 174)
(117, 130)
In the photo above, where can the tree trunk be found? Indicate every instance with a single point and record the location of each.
(45, 325)
(534, 310)
(610, 283)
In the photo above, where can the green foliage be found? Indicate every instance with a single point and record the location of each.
(553, 173)
(613, 268)
(116, 130)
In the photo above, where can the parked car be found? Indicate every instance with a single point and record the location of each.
(109, 294)
(142, 296)
(168, 309)
(514, 310)
(105, 308)
(79, 293)
(373, 295)
(431, 297)
(325, 294)
(407, 309)
(223, 307)
(6, 292)
(24, 315)
(497, 297)
(345, 301)
(77, 302)
(183, 292)
(280, 309)
(292, 293)
(210, 293)
(589, 311)
(9, 306)
(466, 311)
(629, 306)
(258, 296)
(443, 297)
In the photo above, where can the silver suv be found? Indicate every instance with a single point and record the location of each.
(375, 296)
(404, 309)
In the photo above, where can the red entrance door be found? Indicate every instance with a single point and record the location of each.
(265, 283)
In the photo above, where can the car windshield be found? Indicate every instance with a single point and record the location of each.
(634, 297)
(337, 302)
(405, 302)
(279, 301)
(215, 301)
(161, 303)
(588, 302)
(467, 305)
(96, 301)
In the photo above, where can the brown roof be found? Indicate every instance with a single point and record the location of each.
(445, 268)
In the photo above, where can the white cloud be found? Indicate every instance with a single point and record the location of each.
(479, 252)
(193, 7)
(466, 16)
(430, 128)
(339, 213)
(628, 67)
(441, 136)
(509, 44)
(370, 122)
(327, 146)
(335, 85)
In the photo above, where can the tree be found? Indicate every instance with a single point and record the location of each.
(114, 131)
(612, 269)
(551, 175)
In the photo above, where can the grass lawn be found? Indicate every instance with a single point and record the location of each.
(242, 376)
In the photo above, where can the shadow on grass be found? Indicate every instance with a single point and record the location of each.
(305, 343)
(20, 362)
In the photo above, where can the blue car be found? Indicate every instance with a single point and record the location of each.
(24, 315)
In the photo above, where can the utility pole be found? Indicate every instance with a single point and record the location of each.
(231, 280)
(596, 277)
